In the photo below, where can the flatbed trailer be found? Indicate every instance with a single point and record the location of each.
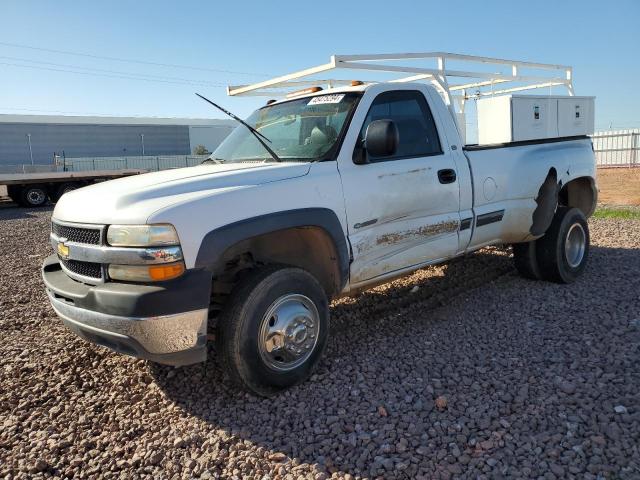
(35, 189)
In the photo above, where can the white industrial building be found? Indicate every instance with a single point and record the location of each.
(35, 139)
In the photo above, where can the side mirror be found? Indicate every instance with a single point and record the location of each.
(381, 138)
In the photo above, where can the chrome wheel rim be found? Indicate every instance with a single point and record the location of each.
(575, 245)
(35, 197)
(288, 332)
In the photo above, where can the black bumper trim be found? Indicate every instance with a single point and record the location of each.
(191, 291)
(491, 217)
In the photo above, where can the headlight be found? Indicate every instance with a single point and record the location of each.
(162, 263)
(142, 235)
(146, 273)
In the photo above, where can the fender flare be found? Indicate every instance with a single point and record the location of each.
(218, 241)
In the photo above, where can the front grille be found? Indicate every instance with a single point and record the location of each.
(77, 234)
(86, 269)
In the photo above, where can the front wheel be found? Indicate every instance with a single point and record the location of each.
(563, 251)
(273, 329)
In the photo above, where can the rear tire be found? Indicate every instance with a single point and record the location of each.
(563, 251)
(33, 196)
(526, 260)
(62, 189)
(273, 329)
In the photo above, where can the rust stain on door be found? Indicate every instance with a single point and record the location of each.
(446, 226)
(394, 238)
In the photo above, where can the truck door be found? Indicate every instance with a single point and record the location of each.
(402, 210)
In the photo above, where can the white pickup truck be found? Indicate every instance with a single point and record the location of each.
(358, 185)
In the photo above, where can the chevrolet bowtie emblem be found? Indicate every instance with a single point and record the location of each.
(63, 251)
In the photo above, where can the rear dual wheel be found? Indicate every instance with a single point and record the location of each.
(62, 189)
(561, 255)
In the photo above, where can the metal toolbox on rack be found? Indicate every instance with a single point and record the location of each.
(515, 118)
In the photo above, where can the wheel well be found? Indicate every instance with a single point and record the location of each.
(309, 248)
(580, 193)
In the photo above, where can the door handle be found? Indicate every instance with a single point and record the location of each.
(448, 175)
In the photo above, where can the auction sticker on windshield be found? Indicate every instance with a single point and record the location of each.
(326, 99)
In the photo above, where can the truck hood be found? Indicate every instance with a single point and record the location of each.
(133, 199)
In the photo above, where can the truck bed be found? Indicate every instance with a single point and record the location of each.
(489, 146)
(511, 180)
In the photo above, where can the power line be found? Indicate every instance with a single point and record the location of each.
(129, 60)
(100, 114)
(124, 76)
(116, 72)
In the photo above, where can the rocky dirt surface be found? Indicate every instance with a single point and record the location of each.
(458, 371)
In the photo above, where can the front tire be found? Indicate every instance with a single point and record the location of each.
(273, 329)
(563, 251)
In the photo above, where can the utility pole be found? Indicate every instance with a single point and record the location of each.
(30, 150)
(142, 141)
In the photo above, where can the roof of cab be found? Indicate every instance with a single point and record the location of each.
(328, 91)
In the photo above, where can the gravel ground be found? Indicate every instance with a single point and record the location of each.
(462, 370)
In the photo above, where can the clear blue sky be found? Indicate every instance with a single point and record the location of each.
(601, 40)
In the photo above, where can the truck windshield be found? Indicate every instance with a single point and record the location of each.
(305, 129)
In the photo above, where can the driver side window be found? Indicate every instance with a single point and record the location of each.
(409, 110)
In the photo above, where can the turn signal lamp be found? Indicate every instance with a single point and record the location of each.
(146, 273)
(158, 273)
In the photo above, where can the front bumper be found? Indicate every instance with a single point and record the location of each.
(164, 322)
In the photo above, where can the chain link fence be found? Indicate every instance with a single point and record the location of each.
(614, 148)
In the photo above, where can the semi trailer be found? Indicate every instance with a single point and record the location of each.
(36, 189)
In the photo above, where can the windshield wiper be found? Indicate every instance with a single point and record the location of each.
(215, 160)
(260, 137)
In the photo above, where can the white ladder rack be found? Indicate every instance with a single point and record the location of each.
(453, 84)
